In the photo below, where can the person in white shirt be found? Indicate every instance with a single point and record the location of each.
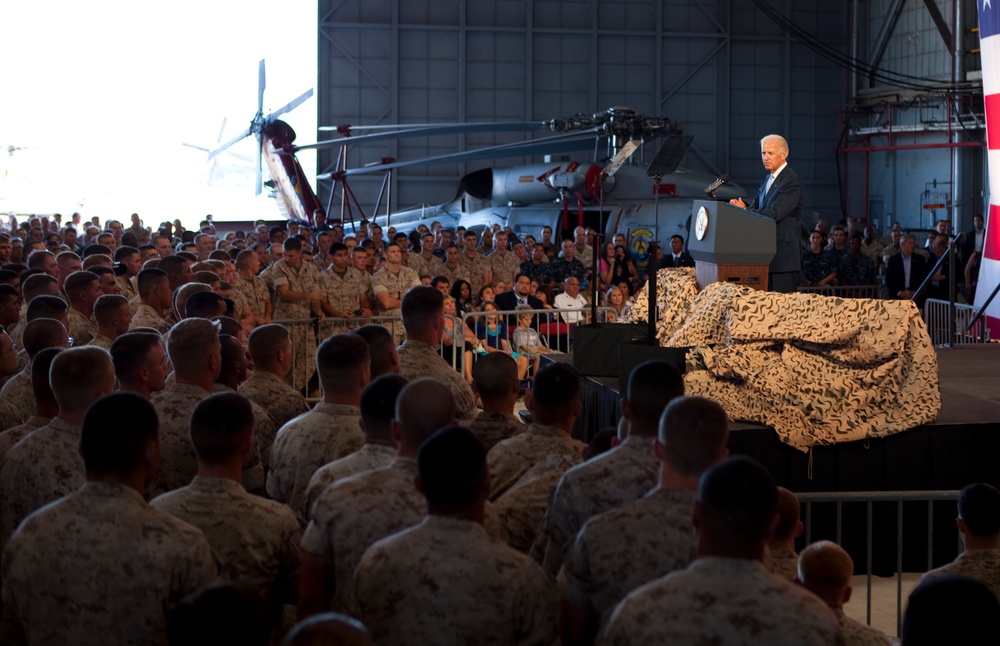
(572, 299)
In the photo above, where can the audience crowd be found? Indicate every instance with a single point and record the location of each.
(165, 478)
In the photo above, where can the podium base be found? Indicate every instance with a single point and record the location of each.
(750, 275)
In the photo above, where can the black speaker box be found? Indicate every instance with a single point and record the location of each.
(635, 352)
(595, 347)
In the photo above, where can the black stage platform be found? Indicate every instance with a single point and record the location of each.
(962, 446)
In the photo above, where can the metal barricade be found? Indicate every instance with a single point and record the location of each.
(846, 291)
(300, 331)
(552, 326)
(869, 500)
(936, 318)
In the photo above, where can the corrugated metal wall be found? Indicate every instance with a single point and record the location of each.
(722, 68)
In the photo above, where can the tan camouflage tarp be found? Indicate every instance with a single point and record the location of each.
(818, 369)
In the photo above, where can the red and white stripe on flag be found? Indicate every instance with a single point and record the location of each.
(989, 38)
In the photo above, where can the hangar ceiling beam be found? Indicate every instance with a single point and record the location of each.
(885, 34)
(939, 22)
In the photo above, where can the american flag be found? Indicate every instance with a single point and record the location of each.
(989, 37)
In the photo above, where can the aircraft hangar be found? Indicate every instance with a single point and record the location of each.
(881, 101)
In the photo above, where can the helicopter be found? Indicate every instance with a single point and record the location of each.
(644, 204)
(275, 138)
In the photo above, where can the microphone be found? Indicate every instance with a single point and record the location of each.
(711, 189)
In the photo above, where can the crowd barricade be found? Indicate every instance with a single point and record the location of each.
(846, 291)
(552, 328)
(937, 319)
(887, 503)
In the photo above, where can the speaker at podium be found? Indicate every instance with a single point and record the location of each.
(730, 244)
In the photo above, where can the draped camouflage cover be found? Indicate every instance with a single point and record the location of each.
(818, 369)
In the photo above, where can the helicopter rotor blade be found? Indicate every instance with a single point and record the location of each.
(564, 143)
(229, 143)
(290, 106)
(257, 183)
(429, 130)
(261, 84)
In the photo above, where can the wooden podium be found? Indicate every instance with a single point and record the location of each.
(730, 245)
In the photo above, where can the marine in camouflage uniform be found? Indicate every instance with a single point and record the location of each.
(722, 600)
(785, 563)
(446, 581)
(302, 279)
(350, 516)
(384, 281)
(456, 273)
(146, 316)
(252, 292)
(81, 328)
(981, 565)
(101, 341)
(504, 266)
(622, 549)
(101, 567)
(128, 286)
(493, 428)
(269, 391)
(13, 435)
(524, 471)
(44, 466)
(256, 540)
(174, 405)
(343, 293)
(178, 465)
(370, 456)
(476, 267)
(417, 359)
(18, 393)
(326, 433)
(620, 476)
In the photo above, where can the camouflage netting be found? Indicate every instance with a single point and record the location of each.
(818, 369)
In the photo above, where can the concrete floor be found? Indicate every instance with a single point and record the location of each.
(884, 590)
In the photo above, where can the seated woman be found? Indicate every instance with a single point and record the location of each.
(484, 295)
(624, 268)
(461, 291)
(456, 335)
(492, 333)
(606, 266)
(615, 300)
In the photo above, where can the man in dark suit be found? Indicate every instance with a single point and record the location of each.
(973, 240)
(678, 257)
(905, 271)
(520, 294)
(780, 198)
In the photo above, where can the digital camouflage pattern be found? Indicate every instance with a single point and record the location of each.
(146, 316)
(256, 540)
(44, 466)
(722, 601)
(273, 394)
(326, 433)
(622, 549)
(614, 478)
(446, 581)
(417, 359)
(493, 428)
(982, 565)
(370, 456)
(101, 568)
